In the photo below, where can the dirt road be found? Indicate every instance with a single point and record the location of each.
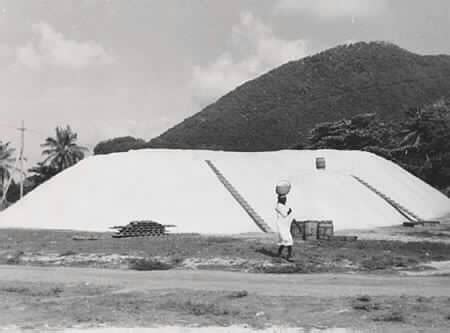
(45, 298)
(315, 285)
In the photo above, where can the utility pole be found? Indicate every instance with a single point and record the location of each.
(22, 147)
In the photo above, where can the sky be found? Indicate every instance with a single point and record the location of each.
(111, 68)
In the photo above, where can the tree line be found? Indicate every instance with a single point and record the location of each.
(60, 152)
(419, 144)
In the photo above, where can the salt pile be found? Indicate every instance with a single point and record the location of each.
(178, 187)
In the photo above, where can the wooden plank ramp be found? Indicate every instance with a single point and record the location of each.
(408, 214)
(259, 221)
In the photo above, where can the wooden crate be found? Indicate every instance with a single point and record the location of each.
(298, 229)
(312, 230)
(325, 230)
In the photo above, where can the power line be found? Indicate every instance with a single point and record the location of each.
(30, 130)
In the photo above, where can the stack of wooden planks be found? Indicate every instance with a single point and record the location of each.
(141, 229)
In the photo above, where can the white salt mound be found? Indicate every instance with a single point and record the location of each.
(178, 187)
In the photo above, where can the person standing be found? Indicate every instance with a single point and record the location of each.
(284, 221)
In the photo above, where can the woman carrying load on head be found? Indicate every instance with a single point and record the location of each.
(284, 221)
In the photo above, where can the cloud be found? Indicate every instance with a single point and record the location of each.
(255, 49)
(333, 8)
(50, 47)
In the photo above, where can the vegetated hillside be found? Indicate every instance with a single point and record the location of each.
(278, 109)
(120, 144)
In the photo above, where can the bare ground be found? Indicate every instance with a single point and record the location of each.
(42, 298)
(249, 253)
(61, 279)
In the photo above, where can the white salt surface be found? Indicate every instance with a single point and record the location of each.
(177, 187)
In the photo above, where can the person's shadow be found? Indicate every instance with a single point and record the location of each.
(267, 252)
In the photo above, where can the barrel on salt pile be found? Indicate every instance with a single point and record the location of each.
(320, 163)
(325, 230)
(310, 232)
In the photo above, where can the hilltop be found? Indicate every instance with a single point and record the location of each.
(278, 109)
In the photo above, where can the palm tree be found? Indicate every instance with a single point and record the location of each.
(62, 150)
(6, 164)
(414, 129)
(423, 124)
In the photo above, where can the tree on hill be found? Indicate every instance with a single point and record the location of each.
(62, 151)
(420, 144)
(357, 133)
(121, 144)
(424, 143)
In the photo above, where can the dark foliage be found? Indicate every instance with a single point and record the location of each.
(149, 265)
(12, 195)
(358, 133)
(420, 143)
(122, 144)
(62, 150)
(7, 168)
(40, 174)
(278, 109)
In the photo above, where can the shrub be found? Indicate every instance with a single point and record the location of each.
(394, 316)
(202, 309)
(149, 265)
(238, 294)
(121, 144)
(14, 258)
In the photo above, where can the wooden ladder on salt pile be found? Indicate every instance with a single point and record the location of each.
(413, 218)
(259, 221)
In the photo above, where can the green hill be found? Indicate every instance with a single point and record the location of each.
(278, 109)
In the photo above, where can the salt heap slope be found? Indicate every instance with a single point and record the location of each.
(178, 187)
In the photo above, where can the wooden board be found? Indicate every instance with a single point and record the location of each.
(344, 238)
(423, 223)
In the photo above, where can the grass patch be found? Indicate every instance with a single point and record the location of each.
(238, 294)
(283, 269)
(14, 259)
(33, 292)
(201, 308)
(67, 253)
(365, 303)
(378, 262)
(365, 306)
(364, 298)
(395, 316)
(256, 254)
(149, 265)
(16, 290)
